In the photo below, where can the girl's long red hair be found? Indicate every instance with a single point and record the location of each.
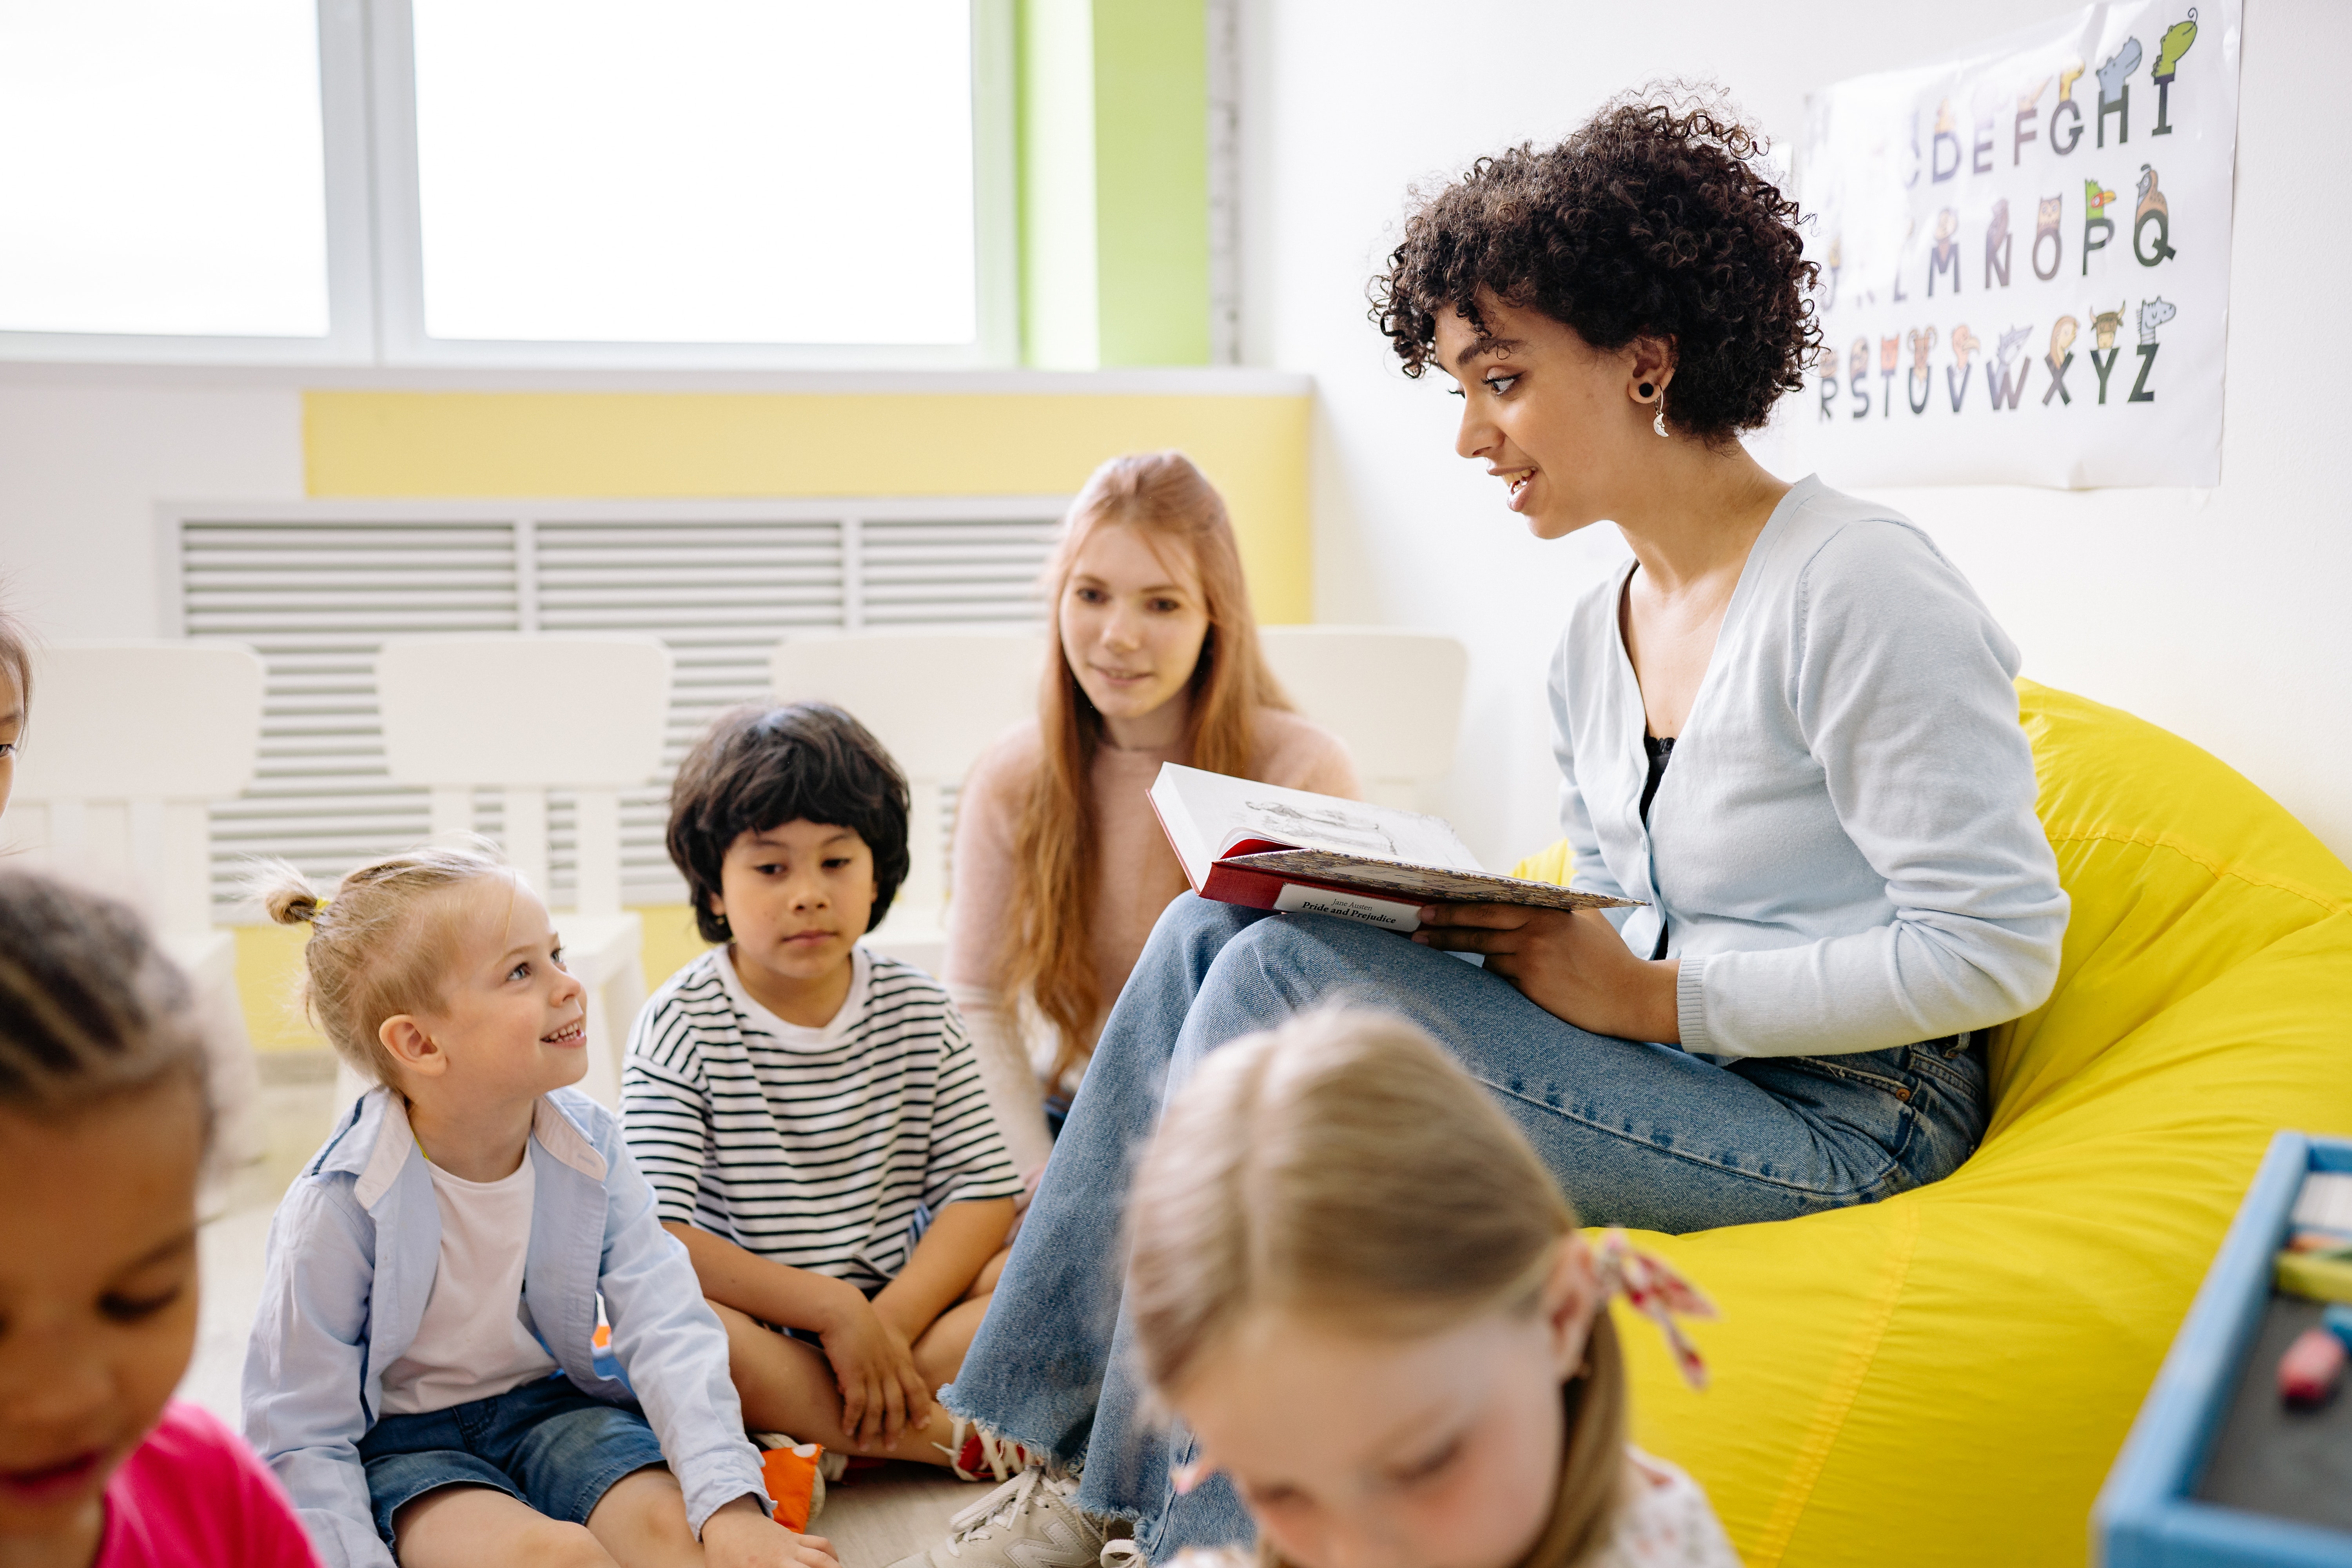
(1056, 857)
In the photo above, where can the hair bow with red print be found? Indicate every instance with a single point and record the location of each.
(1652, 1288)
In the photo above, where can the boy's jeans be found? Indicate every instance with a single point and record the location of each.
(1640, 1135)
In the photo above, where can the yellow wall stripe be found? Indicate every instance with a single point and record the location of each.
(619, 444)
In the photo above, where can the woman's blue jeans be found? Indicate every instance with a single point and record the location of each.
(1640, 1135)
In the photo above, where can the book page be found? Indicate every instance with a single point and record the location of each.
(1226, 812)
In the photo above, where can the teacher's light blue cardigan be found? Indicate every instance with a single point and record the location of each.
(351, 1256)
(1843, 845)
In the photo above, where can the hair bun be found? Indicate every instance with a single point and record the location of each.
(285, 893)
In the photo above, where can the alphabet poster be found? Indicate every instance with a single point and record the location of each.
(2025, 257)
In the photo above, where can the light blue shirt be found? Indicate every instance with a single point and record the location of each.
(1843, 846)
(351, 1261)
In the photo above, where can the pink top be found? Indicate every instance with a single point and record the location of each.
(1138, 873)
(192, 1495)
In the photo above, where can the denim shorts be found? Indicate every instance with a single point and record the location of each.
(542, 1443)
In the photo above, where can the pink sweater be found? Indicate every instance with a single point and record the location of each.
(1138, 875)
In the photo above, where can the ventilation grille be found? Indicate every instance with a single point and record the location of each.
(316, 589)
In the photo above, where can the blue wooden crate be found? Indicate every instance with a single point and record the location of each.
(2147, 1515)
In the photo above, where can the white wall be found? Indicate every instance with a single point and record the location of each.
(2225, 615)
(83, 462)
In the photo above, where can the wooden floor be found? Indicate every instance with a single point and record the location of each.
(875, 1517)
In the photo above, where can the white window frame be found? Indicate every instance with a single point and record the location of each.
(351, 331)
(375, 295)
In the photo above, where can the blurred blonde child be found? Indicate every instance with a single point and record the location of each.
(104, 1122)
(15, 694)
(1365, 1297)
(423, 1375)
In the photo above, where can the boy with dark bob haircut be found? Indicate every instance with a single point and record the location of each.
(810, 1112)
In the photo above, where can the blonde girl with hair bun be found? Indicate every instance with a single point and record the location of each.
(1365, 1297)
(1060, 868)
(424, 1378)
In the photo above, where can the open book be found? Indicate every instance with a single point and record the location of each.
(1276, 848)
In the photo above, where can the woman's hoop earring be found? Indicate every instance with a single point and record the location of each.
(1659, 423)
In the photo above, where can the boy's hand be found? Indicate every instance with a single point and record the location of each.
(740, 1535)
(881, 1392)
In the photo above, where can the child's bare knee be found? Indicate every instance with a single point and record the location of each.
(561, 1545)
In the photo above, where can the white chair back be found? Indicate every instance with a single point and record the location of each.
(127, 745)
(936, 699)
(1394, 696)
(528, 713)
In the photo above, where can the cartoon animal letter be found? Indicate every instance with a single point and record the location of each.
(1955, 374)
(1947, 251)
(2115, 96)
(2028, 111)
(1830, 264)
(1921, 384)
(2104, 328)
(2097, 227)
(2002, 383)
(2106, 324)
(2068, 109)
(1945, 136)
(1825, 366)
(1997, 243)
(2061, 355)
(2153, 313)
(2171, 47)
(1857, 369)
(2045, 231)
(2169, 50)
(2152, 209)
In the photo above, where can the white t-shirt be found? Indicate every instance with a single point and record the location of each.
(475, 1338)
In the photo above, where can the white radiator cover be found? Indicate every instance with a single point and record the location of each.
(317, 585)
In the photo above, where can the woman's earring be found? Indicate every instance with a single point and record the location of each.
(1659, 423)
(1648, 387)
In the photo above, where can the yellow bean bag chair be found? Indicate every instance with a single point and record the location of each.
(1945, 1377)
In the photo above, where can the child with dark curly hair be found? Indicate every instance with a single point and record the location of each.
(1844, 884)
(808, 1111)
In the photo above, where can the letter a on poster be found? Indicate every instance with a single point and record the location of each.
(2025, 257)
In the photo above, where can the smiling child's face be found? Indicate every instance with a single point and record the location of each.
(796, 897)
(511, 1021)
(97, 1303)
(1132, 620)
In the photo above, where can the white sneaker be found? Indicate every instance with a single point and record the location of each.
(1030, 1521)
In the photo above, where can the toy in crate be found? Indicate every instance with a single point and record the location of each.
(2243, 1453)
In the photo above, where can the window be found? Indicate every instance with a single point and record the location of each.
(743, 171)
(680, 183)
(161, 168)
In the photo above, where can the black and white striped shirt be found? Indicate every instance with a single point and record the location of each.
(816, 1148)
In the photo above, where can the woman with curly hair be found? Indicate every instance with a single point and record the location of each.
(1786, 726)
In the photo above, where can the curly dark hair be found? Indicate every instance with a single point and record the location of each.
(1652, 220)
(757, 768)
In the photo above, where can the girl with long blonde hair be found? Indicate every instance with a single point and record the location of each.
(1060, 867)
(1368, 1300)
